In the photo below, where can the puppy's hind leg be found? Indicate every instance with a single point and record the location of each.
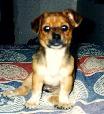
(22, 90)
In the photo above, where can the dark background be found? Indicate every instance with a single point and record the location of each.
(6, 23)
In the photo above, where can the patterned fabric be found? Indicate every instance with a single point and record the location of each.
(17, 55)
(87, 95)
(14, 71)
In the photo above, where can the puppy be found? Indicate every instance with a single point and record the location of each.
(52, 64)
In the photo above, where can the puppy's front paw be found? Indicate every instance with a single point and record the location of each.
(65, 106)
(8, 93)
(55, 101)
(31, 104)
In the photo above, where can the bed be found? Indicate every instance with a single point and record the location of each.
(87, 95)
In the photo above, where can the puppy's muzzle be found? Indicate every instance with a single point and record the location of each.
(56, 40)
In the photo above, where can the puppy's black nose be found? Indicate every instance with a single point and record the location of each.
(56, 40)
(56, 36)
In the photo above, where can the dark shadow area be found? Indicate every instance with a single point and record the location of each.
(6, 22)
(99, 1)
(33, 42)
(81, 34)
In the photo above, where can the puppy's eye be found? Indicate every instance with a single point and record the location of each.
(64, 28)
(46, 28)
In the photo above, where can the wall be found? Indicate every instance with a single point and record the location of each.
(57, 5)
(26, 10)
(24, 13)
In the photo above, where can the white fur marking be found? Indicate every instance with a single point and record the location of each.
(54, 59)
(53, 71)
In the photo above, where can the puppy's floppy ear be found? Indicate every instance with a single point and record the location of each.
(73, 17)
(36, 23)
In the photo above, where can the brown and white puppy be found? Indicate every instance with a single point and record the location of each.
(52, 64)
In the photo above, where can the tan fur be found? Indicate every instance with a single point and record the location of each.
(52, 65)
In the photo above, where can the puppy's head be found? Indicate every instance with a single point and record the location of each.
(55, 28)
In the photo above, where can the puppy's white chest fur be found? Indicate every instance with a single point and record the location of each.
(53, 71)
(54, 59)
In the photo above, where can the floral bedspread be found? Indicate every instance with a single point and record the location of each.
(87, 95)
